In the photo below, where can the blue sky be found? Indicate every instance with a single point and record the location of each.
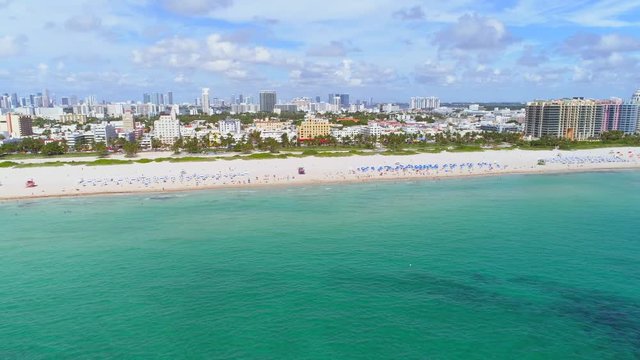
(459, 50)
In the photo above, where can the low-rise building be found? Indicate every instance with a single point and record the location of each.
(347, 132)
(230, 126)
(269, 125)
(73, 118)
(52, 113)
(313, 128)
(373, 129)
(104, 132)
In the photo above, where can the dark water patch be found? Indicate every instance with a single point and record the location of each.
(162, 197)
(431, 287)
(597, 311)
(484, 278)
(27, 204)
(616, 316)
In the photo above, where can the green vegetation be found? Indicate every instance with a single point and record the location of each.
(44, 164)
(190, 159)
(399, 152)
(265, 156)
(27, 156)
(53, 148)
(101, 149)
(131, 148)
(101, 162)
(8, 164)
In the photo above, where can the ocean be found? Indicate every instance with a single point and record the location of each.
(510, 267)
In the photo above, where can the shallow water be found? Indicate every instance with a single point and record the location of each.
(532, 267)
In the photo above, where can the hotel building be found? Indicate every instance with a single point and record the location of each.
(580, 119)
(313, 128)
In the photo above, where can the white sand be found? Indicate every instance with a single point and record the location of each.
(157, 177)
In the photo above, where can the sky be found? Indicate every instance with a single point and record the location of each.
(388, 50)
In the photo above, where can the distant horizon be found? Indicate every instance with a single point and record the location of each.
(183, 100)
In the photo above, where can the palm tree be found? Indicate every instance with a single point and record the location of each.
(156, 144)
(284, 139)
(131, 148)
(101, 149)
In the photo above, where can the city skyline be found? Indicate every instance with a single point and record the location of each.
(390, 50)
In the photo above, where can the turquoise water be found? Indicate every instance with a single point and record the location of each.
(514, 267)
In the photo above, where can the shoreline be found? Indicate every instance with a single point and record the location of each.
(318, 182)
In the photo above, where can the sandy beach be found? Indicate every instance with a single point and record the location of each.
(166, 177)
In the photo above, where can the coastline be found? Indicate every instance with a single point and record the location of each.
(62, 182)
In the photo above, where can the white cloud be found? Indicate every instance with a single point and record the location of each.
(531, 58)
(347, 73)
(287, 45)
(606, 13)
(195, 7)
(214, 54)
(43, 68)
(83, 23)
(333, 49)
(581, 74)
(591, 46)
(222, 49)
(474, 32)
(412, 13)
(12, 45)
(181, 79)
(435, 73)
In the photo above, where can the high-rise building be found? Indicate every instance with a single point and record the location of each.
(336, 103)
(206, 105)
(170, 98)
(17, 125)
(167, 129)
(146, 98)
(630, 115)
(5, 101)
(268, 99)
(91, 100)
(608, 115)
(343, 100)
(425, 103)
(580, 119)
(574, 119)
(14, 100)
(45, 98)
(37, 100)
(128, 122)
(629, 118)
(635, 99)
